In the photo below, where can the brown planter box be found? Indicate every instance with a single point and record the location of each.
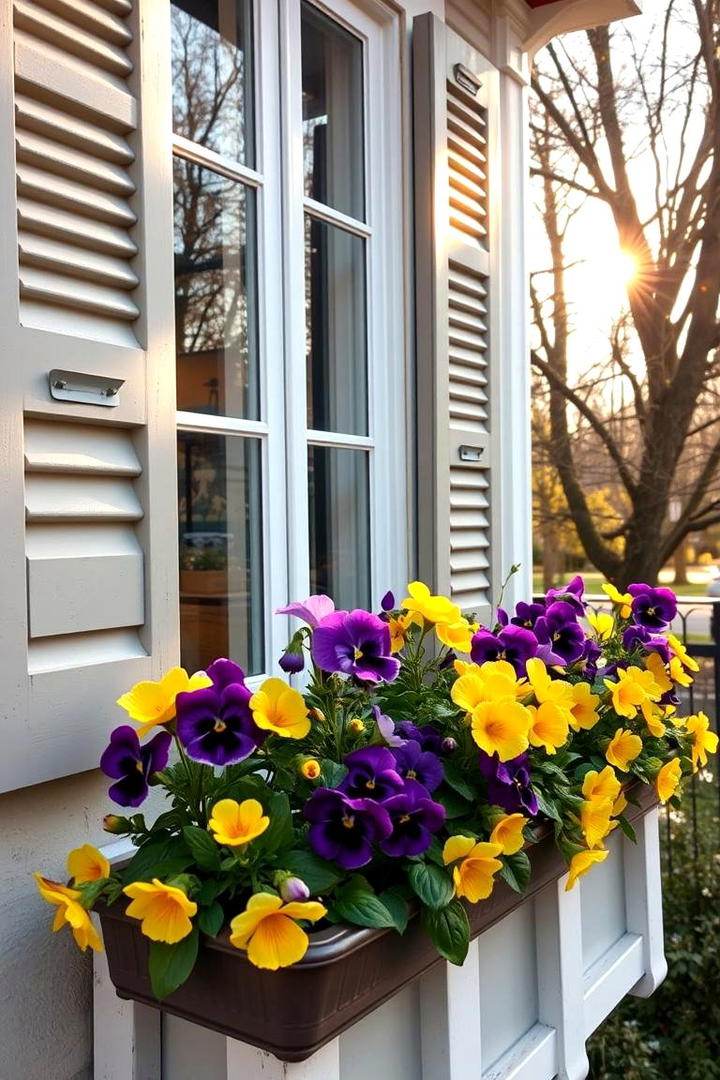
(345, 974)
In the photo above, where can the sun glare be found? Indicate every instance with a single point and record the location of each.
(627, 266)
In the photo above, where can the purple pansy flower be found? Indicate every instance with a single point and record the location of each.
(415, 817)
(509, 784)
(593, 652)
(652, 608)
(311, 611)
(224, 672)
(386, 727)
(355, 643)
(215, 725)
(527, 614)
(132, 765)
(571, 594)
(414, 763)
(427, 736)
(638, 636)
(371, 774)
(344, 829)
(559, 629)
(513, 643)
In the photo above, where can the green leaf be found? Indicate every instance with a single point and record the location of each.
(318, 874)
(90, 890)
(331, 773)
(516, 871)
(160, 856)
(458, 783)
(170, 965)
(211, 919)
(210, 889)
(279, 832)
(627, 828)
(398, 907)
(430, 884)
(449, 931)
(204, 849)
(455, 805)
(547, 807)
(357, 903)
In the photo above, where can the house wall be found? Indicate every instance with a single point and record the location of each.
(45, 982)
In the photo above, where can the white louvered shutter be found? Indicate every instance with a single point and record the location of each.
(88, 578)
(455, 93)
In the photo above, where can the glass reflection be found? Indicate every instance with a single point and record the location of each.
(212, 75)
(220, 536)
(335, 329)
(332, 96)
(339, 497)
(215, 293)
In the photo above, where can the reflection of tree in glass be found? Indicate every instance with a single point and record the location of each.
(210, 241)
(211, 86)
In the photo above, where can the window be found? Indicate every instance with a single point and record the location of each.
(288, 315)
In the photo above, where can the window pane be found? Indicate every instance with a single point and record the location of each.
(335, 329)
(332, 95)
(213, 76)
(215, 293)
(339, 525)
(221, 572)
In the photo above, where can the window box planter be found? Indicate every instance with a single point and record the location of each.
(346, 973)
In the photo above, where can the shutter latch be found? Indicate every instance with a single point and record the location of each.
(465, 78)
(85, 389)
(470, 453)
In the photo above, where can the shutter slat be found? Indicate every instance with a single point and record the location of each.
(92, 17)
(81, 231)
(52, 447)
(71, 38)
(86, 498)
(47, 254)
(74, 164)
(36, 116)
(71, 293)
(72, 196)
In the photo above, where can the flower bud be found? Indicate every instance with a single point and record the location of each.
(448, 745)
(388, 601)
(356, 725)
(292, 662)
(294, 888)
(318, 715)
(112, 823)
(310, 769)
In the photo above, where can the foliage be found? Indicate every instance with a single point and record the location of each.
(403, 778)
(676, 1032)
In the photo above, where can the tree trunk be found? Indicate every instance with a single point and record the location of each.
(680, 561)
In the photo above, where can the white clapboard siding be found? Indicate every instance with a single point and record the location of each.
(89, 570)
(74, 113)
(532, 989)
(455, 101)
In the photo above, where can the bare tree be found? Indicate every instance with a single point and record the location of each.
(600, 111)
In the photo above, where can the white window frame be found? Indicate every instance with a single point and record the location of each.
(277, 179)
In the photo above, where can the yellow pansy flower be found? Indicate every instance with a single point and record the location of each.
(268, 931)
(581, 863)
(705, 741)
(398, 625)
(501, 680)
(601, 622)
(584, 708)
(682, 654)
(153, 703)
(678, 673)
(456, 635)
(654, 663)
(601, 785)
(619, 806)
(508, 833)
(501, 727)
(596, 821)
(635, 689)
(86, 863)
(435, 609)
(668, 779)
(70, 912)
(466, 667)
(621, 600)
(235, 823)
(546, 689)
(164, 911)
(474, 876)
(280, 708)
(623, 749)
(550, 726)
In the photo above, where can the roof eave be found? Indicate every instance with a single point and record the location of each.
(563, 16)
